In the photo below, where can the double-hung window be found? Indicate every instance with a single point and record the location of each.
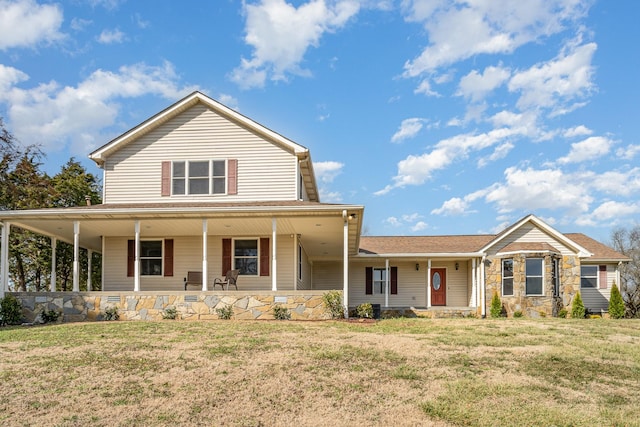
(589, 276)
(379, 280)
(151, 257)
(507, 276)
(245, 256)
(534, 276)
(199, 177)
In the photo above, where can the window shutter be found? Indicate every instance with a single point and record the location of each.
(264, 256)
(131, 249)
(168, 258)
(226, 255)
(166, 179)
(232, 176)
(368, 280)
(394, 280)
(602, 280)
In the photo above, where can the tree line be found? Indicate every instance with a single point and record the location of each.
(24, 185)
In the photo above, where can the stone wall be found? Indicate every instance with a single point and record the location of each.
(91, 306)
(533, 305)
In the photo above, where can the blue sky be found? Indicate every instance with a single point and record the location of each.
(440, 116)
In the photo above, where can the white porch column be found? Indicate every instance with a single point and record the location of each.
(386, 284)
(136, 257)
(474, 284)
(482, 289)
(345, 263)
(76, 256)
(89, 268)
(54, 260)
(428, 283)
(205, 256)
(4, 259)
(274, 258)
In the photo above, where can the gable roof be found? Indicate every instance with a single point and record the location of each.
(537, 222)
(304, 157)
(600, 251)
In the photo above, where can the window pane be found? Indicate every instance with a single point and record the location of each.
(178, 169)
(588, 282)
(218, 168)
(199, 186)
(534, 285)
(198, 169)
(246, 248)
(507, 268)
(534, 267)
(507, 286)
(436, 281)
(151, 267)
(589, 270)
(151, 248)
(178, 186)
(218, 186)
(247, 266)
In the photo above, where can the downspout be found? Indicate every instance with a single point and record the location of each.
(386, 285)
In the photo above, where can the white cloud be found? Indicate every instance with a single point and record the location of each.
(609, 212)
(415, 170)
(459, 30)
(54, 116)
(425, 88)
(618, 183)
(280, 35)
(476, 86)
(25, 23)
(577, 131)
(327, 171)
(392, 220)
(79, 24)
(591, 148)
(453, 206)
(419, 226)
(408, 129)
(628, 152)
(330, 196)
(111, 36)
(555, 83)
(228, 100)
(500, 152)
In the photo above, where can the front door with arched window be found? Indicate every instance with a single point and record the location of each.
(438, 286)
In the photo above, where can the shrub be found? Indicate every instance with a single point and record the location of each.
(517, 313)
(225, 312)
(616, 304)
(496, 306)
(281, 313)
(333, 301)
(563, 313)
(10, 310)
(50, 316)
(170, 313)
(111, 313)
(365, 310)
(577, 307)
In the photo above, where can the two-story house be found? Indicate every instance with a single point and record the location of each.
(201, 188)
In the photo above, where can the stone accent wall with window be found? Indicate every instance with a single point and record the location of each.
(536, 305)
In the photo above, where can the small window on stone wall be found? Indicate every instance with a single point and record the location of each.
(534, 277)
(507, 277)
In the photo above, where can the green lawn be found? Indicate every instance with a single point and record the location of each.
(549, 372)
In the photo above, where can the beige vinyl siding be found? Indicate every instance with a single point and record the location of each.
(412, 290)
(265, 171)
(530, 233)
(305, 282)
(188, 257)
(598, 299)
(327, 275)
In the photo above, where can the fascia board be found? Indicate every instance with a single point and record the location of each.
(423, 255)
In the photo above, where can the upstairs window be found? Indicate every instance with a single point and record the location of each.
(534, 276)
(507, 277)
(199, 177)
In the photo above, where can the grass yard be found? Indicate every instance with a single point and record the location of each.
(400, 372)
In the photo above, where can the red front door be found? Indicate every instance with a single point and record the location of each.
(438, 286)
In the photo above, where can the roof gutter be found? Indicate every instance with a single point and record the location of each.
(424, 255)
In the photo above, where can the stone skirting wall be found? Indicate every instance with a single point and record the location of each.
(91, 306)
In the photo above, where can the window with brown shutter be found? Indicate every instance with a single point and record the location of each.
(168, 258)
(232, 176)
(394, 280)
(368, 280)
(166, 179)
(226, 255)
(264, 256)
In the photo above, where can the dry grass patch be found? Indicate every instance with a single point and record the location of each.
(395, 372)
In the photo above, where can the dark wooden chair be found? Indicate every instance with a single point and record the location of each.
(231, 278)
(193, 278)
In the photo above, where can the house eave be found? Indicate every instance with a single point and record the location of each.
(424, 255)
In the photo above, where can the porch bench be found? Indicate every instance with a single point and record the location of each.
(193, 278)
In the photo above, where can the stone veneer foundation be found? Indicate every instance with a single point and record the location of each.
(91, 306)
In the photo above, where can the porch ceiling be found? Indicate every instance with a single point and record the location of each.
(321, 232)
